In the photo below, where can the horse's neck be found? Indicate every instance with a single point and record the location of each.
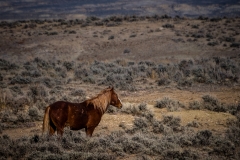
(102, 102)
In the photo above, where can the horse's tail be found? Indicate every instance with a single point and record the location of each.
(46, 122)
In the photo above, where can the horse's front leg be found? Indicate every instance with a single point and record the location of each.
(89, 131)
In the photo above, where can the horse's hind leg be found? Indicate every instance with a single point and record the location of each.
(89, 131)
(52, 128)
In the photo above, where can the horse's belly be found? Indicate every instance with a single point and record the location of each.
(76, 128)
(78, 123)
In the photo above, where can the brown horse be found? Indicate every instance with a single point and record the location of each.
(86, 114)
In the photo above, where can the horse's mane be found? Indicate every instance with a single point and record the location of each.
(101, 101)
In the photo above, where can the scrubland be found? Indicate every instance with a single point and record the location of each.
(178, 79)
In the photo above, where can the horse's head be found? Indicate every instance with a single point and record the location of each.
(115, 101)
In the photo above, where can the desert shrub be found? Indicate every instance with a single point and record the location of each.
(162, 145)
(68, 65)
(43, 64)
(213, 43)
(142, 107)
(212, 104)
(185, 83)
(173, 122)
(78, 92)
(178, 76)
(184, 64)
(202, 138)
(81, 73)
(140, 123)
(112, 110)
(194, 124)
(233, 131)
(141, 138)
(20, 103)
(72, 32)
(122, 125)
(143, 157)
(20, 80)
(163, 81)
(236, 45)
(161, 69)
(198, 71)
(48, 82)
(61, 72)
(132, 147)
(131, 109)
(195, 26)
(37, 93)
(171, 105)
(34, 113)
(229, 39)
(223, 147)
(132, 36)
(5, 65)
(17, 90)
(161, 103)
(195, 105)
(23, 117)
(111, 37)
(123, 81)
(234, 109)
(89, 79)
(8, 116)
(34, 73)
(179, 154)
(168, 25)
(126, 51)
(158, 127)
